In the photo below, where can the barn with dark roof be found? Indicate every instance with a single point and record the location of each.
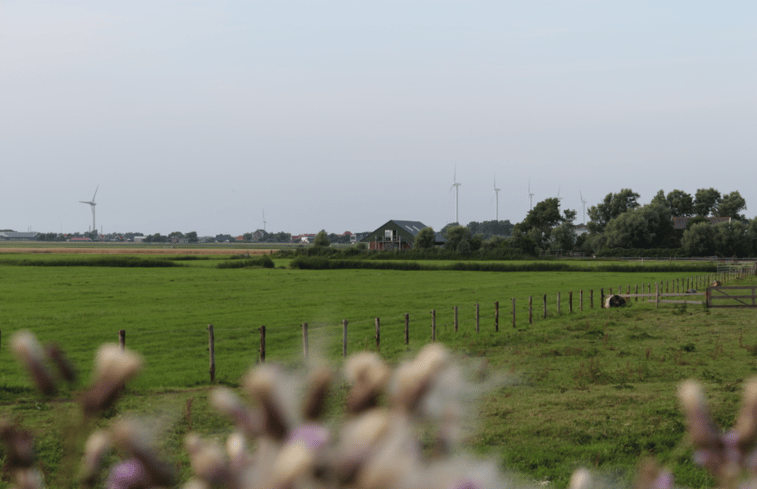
(394, 235)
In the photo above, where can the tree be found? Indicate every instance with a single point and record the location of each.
(191, 236)
(425, 239)
(659, 198)
(563, 237)
(491, 228)
(699, 240)
(541, 219)
(730, 205)
(156, 238)
(611, 207)
(649, 226)
(751, 233)
(321, 239)
(705, 201)
(455, 235)
(731, 239)
(680, 203)
(523, 242)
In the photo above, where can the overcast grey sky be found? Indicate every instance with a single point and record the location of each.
(341, 115)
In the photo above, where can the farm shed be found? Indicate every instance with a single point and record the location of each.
(394, 235)
(14, 236)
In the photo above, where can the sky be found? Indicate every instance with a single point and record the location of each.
(341, 115)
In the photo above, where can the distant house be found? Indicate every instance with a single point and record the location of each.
(681, 222)
(394, 235)
(303, 238)
(13, 236)
(580, 229)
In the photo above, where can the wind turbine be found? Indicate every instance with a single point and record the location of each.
(530, 196)
(456, 186)
(559, 199)
(92, 205)
(583, 202)
(496, 198)
(264, 221)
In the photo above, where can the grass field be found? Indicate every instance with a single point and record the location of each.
(593, 388)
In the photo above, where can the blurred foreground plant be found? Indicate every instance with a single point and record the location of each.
(281, 439)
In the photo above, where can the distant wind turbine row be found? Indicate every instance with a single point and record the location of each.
(456, 186)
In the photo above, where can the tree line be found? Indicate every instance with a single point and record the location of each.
(617, 224)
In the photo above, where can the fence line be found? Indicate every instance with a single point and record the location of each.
(662, 289)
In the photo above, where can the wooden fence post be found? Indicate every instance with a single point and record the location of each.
(407, 328)
(513, 312)
(591, 298)
(581, 299)
(455, 315)
(122, 338)
(628, 291)
(305, 339)
(262, 344)
(344, 338)
(601, 298)
(636, 291)
(433, 325)
(545, 306)
(378, 334)
(570, 302)
(657, 294)
(530, 309)
(212, 353)
(558, 303)
(496, 316)
(477, 317)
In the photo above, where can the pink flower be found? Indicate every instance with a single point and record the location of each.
(127, 475)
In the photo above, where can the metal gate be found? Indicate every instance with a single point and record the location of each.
(732, 296)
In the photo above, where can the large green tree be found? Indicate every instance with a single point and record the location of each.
(456, 235)
(563, 236)
(540, 221)
(321, 239)
(648, 226)
(751, 233)
(611, 207)
(731, 239)
(680, 203)
(705, 201)
(730, 205)
(425, 239)
(699, 239)
(491, 228)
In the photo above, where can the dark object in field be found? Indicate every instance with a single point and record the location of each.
(614, 301)
(716, 283)
(691, 291)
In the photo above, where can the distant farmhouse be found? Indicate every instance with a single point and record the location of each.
(14, 236)
(396, 235)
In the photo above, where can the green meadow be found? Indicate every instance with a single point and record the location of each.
(592, 388)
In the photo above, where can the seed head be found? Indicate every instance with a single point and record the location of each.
(368, 375)
(30, 354)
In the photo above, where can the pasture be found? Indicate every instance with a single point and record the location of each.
(166, 311)
(593, 388)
